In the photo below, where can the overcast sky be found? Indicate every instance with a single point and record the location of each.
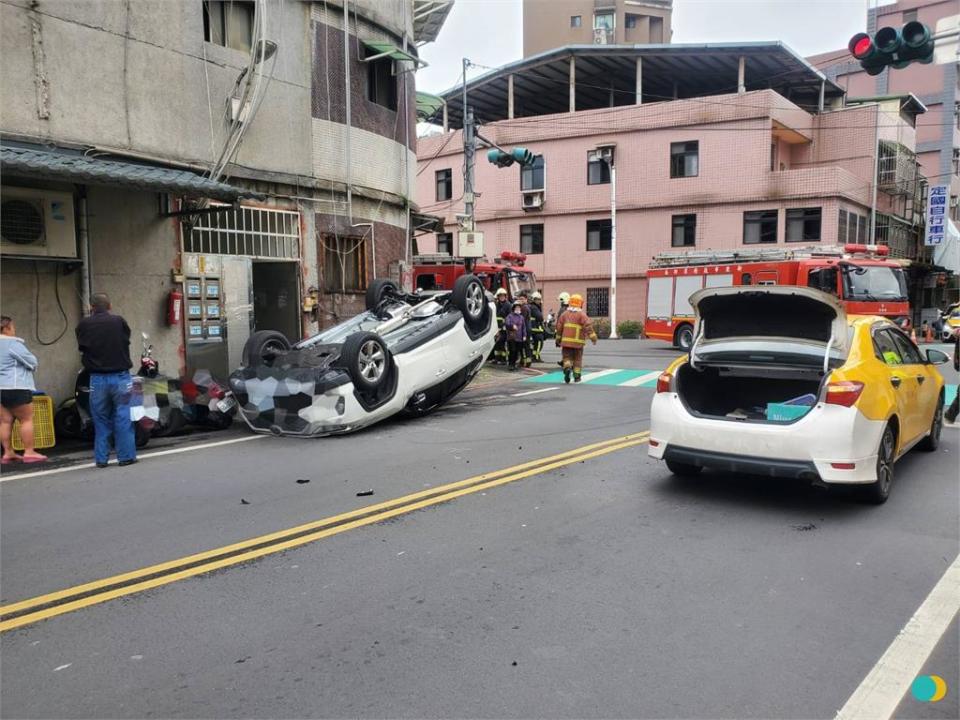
(490, 32)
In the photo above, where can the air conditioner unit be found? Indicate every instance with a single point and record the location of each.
(601, 36)
(533, 200)
(37, 223)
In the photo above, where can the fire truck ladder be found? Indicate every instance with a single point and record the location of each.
(726, 257)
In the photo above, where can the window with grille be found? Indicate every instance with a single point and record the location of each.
(684, 231)
(229, 23)
(803, 224)
(685, 159)
(598, 302)
(344, 263)
(531, 239)
(599, 234)
(445, 243)
(598, 170)
(760, 227)
(444, 184)
(532, 176)
(250, 231)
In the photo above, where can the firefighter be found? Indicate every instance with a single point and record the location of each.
(537, 329)
(573, 329)
(564, 300)
(503, 309)
(526, 359)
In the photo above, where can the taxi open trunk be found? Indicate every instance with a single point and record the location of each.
(761, 354)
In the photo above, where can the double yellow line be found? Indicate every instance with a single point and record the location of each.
(64, 601)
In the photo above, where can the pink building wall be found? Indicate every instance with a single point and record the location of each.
(827, 161)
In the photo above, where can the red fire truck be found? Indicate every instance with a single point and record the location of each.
(439, 272)
(862, 276)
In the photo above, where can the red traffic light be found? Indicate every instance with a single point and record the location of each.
(861, 46)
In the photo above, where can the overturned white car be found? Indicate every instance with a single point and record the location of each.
(407, 352)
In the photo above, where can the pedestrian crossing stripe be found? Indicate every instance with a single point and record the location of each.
(639, 379)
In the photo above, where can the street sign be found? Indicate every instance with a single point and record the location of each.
(937, 199)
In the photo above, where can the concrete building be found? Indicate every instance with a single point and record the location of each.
(549, 24)
(757, 150)
(255, 155)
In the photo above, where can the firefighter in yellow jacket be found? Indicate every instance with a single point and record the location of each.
(573, 329)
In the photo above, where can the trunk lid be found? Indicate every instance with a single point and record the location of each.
(777, 325)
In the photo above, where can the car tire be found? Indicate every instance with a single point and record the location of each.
(217, 420)
(67, 423)
(683, 469)
(365, 356)
(876, 493)
(378, 290)
(470, 299)
(683, 338)
(263, 346)
(932, 441)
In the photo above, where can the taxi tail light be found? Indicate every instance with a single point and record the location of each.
(843, 393)
(664, 382)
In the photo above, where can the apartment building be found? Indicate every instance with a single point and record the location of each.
(757, 150)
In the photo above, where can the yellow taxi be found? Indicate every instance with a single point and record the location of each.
(781, 382)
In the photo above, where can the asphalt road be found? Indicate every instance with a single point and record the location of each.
(601, 588)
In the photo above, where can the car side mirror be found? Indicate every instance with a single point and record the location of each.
(937, 357)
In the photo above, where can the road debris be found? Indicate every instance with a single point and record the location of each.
(364, 493)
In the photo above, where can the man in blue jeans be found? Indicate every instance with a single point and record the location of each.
(104, 341)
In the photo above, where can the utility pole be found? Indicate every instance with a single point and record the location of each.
(613, 247)
(469, 151)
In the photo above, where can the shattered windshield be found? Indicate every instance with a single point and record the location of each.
(874, 283)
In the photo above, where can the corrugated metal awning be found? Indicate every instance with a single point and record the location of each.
(389, 50)
(71, 166)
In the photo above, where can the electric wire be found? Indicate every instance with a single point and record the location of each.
(63, 313)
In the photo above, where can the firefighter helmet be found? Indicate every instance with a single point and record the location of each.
(564, 298)
(536, 296)
(500, 291)
(576, 301)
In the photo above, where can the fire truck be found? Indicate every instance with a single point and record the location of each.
(439, 272)
(863, 277)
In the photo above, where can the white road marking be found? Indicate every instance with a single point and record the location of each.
(637, 381)
(598, 374)
(885, 685)
(535, 392)
(159, 453)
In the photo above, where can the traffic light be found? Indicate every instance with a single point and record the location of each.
(503, 159)
(890, 47)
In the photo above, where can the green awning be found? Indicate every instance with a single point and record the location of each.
(389, 50)
(428, 105)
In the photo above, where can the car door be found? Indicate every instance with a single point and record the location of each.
(924, 389)
(898, 375)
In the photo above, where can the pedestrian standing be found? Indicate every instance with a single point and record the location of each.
(526, 349)
(516, 327)
(537, 330)
(954, 409)
(503, 309)
(573, 329)
(17, 365)
(104, 342)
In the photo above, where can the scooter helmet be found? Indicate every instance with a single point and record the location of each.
(564, 298)
(576, 301)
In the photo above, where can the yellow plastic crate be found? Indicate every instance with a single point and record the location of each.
(43, 436)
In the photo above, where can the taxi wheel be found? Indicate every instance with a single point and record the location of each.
(932, 441)
(876, 493)
(683, 469)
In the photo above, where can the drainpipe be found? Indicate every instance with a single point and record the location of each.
(349, 123)
(85, 288)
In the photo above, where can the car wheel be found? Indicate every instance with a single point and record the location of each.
(683, 338)
(683, 469)
(471, 300)
(876, 493)
(932, 441)
(219, 421)
(67, 423)
(378, 290)
(366, 358)
(263, 346)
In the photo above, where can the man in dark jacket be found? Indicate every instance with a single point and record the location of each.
(104, 342)
(503, 309)
(537, 330)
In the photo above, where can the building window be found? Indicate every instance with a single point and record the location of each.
(630, 21)
(842, 227)
(229, 23)
(598, 302)
(760, 226)
(598, 234)
(576, 21)
(532, 176)
(444, 184)
(445, 243)
(531, 239)
(598, 170)
(685, 159)
(909, 16)
(684, 231)
(381, 82)
(344, 264)
(803, 224)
